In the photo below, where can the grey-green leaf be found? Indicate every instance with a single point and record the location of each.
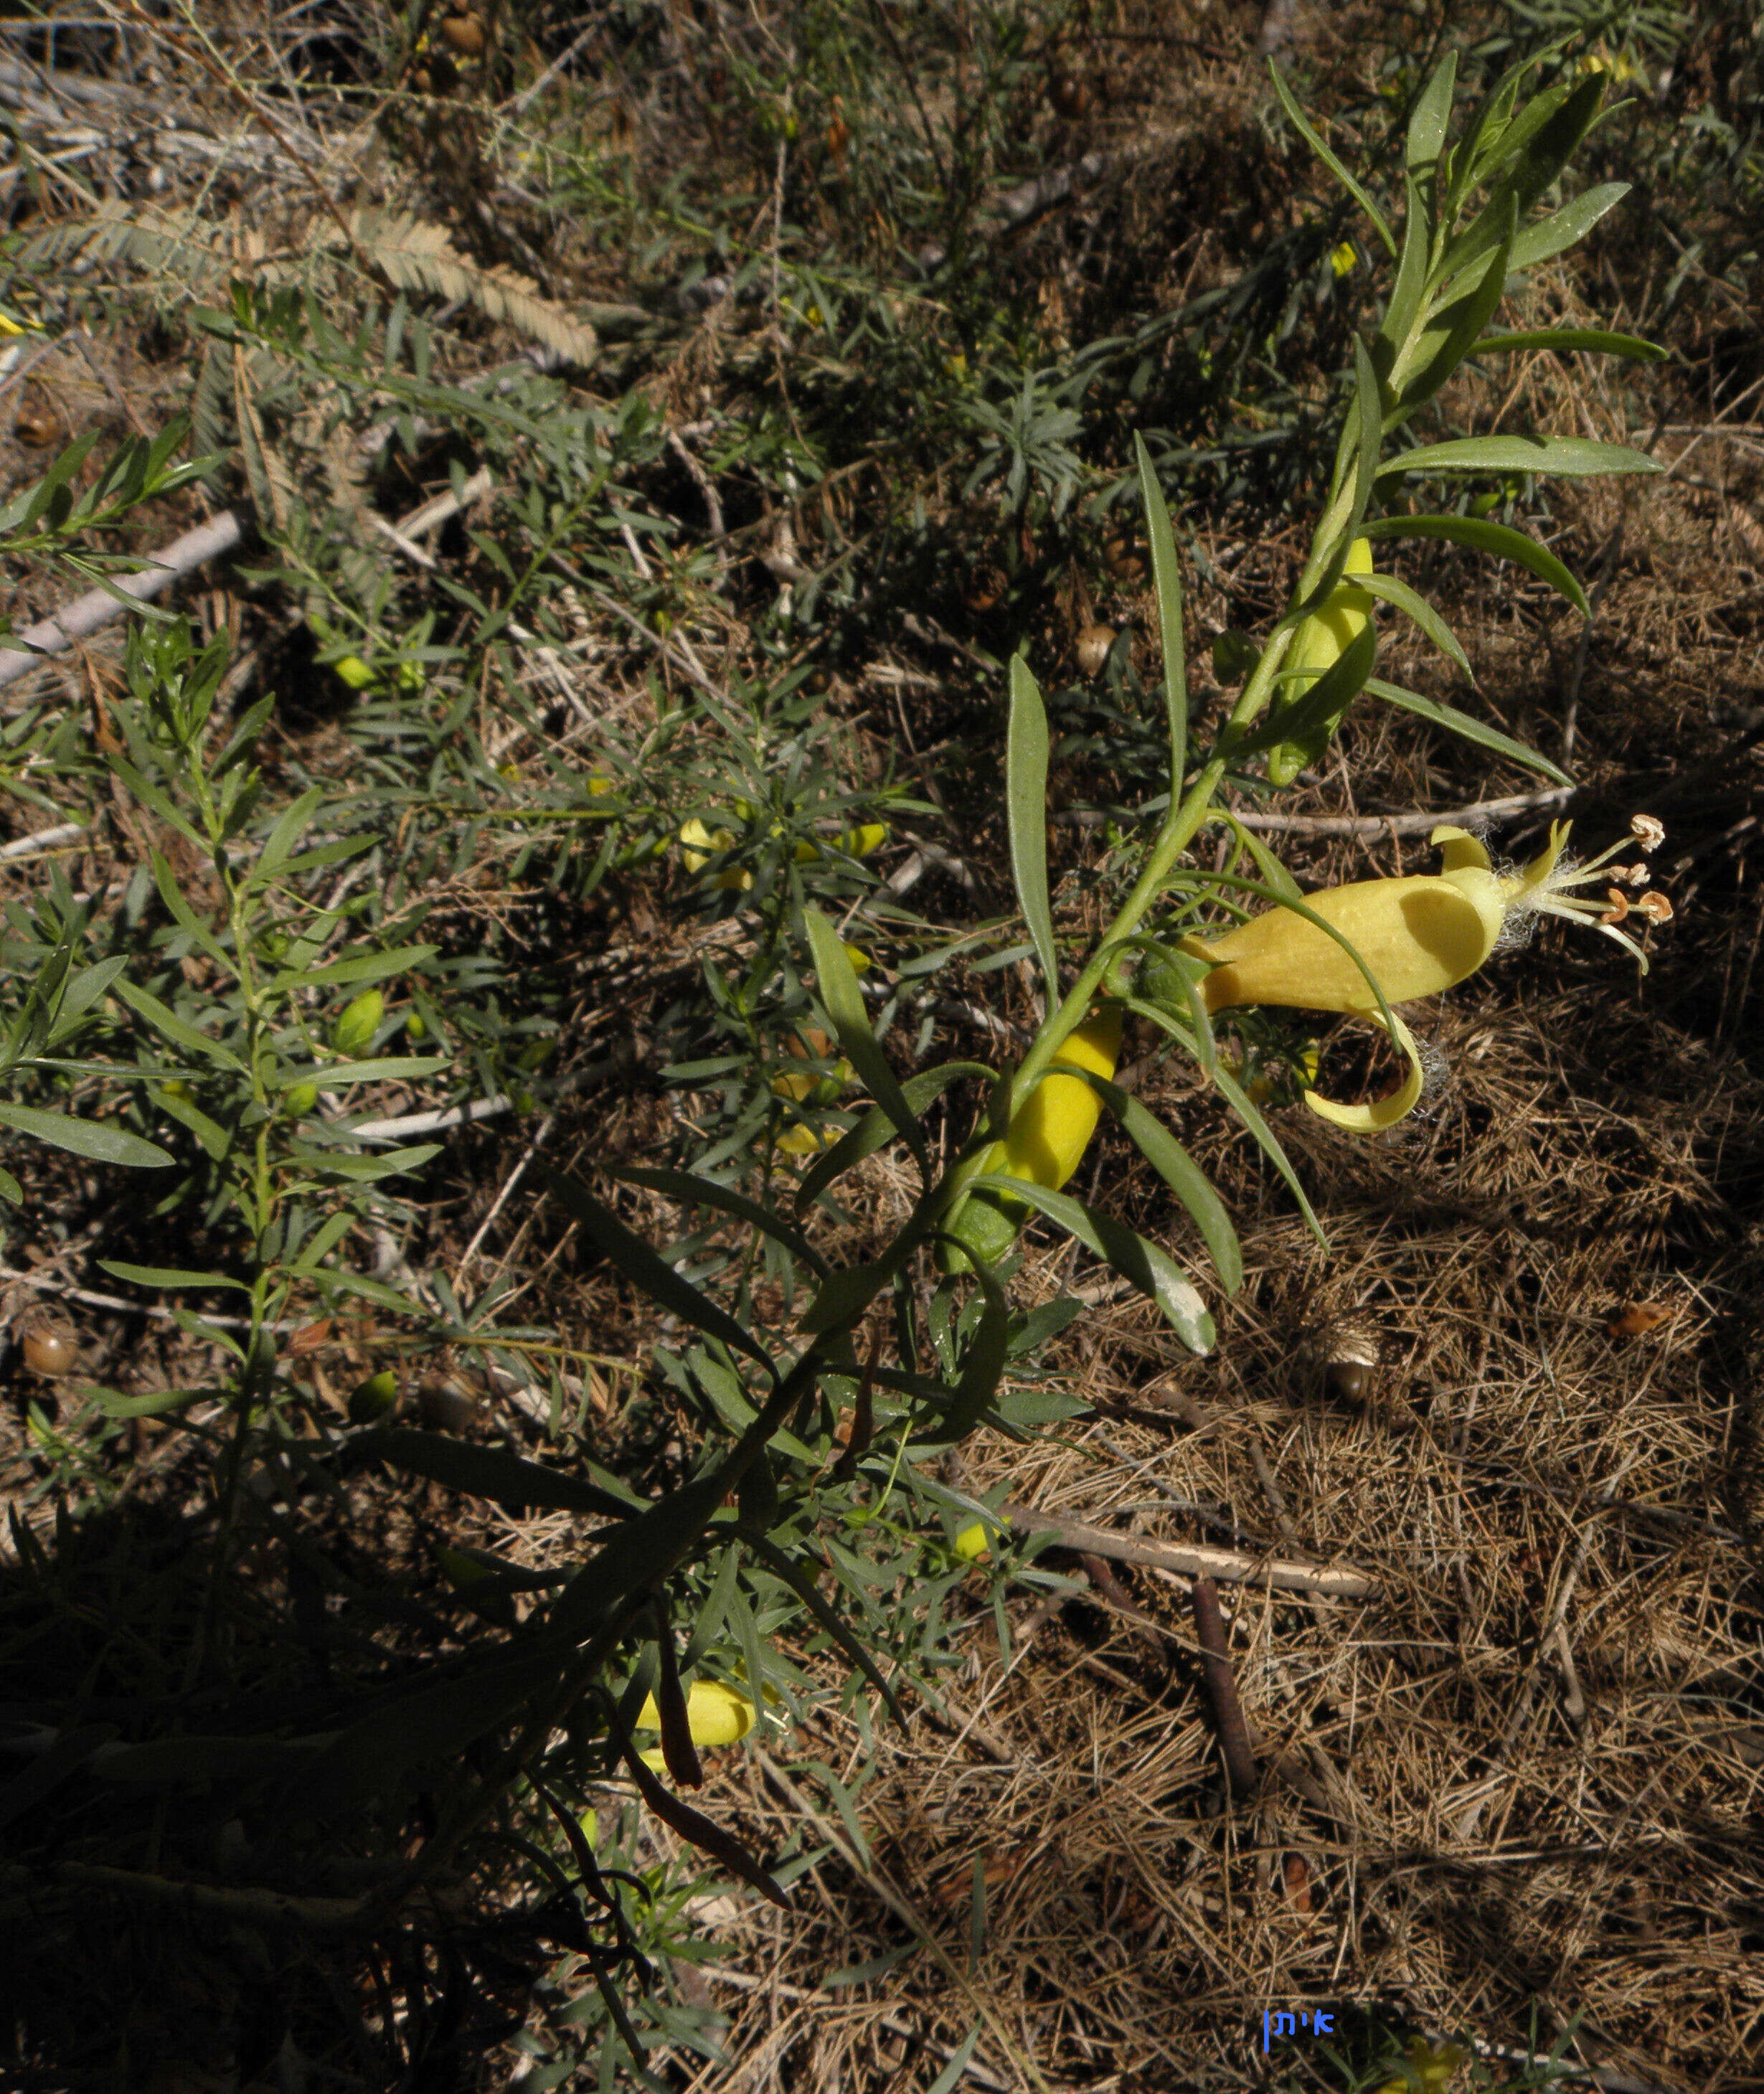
(1467, 729)
(1166, 579)
(649, 1272)
(1573, 456)
(842, 1000)
(1500, 540)
(1403, 598)
(1153, 1271)
(90, 1138)
(1026, 748)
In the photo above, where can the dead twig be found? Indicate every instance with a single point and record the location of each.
(1231, 1564)
(1228, 1722)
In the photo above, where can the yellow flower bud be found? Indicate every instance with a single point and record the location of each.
(1319, 643)
(969, 1543)
(697, 845)
(1045, 1139)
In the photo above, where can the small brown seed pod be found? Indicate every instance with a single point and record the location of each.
(1069, 95)
(1093, 646)
(51, 1350)
(1351, 1350)
(463, 34)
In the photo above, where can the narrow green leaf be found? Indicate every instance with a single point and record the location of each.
(875, 1129)
(1563, 228)
(1497, 539)
(983, 1367)
(487, 1472)
(168, 1276)
(172, 895)
(1026, 748)
(1597, 340)
(380, 1069)
(1446, 340)
(1403, 598)
(167, 1022)
(1411, 286)
(1313, 138)
(1181, 1174)
(362, 967)
(1574, 457)
(1269, 1144)
(1153, 1271)
(1166, 579)
(1369, 402)
(1432, 111)
(89, 1138)
(649, 1272)
(1467, 729)
(289, 827)
(690, 1191)
(363, 1170)
(842, 998)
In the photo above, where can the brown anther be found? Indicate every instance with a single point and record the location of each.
(1655, 907)
(1648, 831)
(1635, 874)
(1619, 908)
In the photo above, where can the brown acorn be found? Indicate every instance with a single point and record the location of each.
(1351, 1350)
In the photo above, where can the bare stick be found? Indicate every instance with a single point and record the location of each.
(52, 636)
(1402, 825)
(1229, 1564)
(1222, 1690)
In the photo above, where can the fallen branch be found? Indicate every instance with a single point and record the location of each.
(1231, 1564)
(1228, 1724)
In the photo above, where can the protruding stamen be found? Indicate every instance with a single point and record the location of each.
(1656, 908)
(1619, 908)
(1649, 832)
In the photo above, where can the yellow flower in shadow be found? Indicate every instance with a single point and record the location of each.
(1415, 936)
(715, 1715)
(1428, 2068)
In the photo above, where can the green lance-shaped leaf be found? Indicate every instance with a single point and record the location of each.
(91, 1139)
(1153, 1271)
(1432, 111)
(648, 1271)
(1467, 728)
(1026, 750)
(1564, 229)
(1313, 138)
(1298, 732)
(1531, 152)
(1435, 353)
(983, 1367)
(487, 1472)
(1597, 341)
(1166, 579)
(1498, 539)
(1182, 1174)
(167, 1023)
(875, 1129)
(690, 1190)
(1268, 1142)
(1572, 457)
(1401, 598)
(842, 998)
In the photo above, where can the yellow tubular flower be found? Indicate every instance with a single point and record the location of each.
(1417, 936)
(1047, 1137)
(715, 1714)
